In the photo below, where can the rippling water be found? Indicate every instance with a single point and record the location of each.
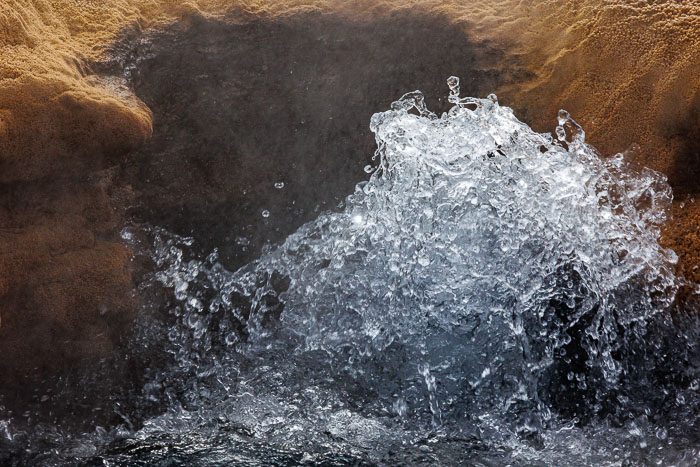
(490, 295)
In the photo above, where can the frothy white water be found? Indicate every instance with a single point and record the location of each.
(488, 282)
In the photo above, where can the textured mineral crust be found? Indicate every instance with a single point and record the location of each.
(188, 112)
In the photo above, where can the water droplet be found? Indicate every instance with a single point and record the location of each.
(561, 133)
(453, 83)
(563, 117)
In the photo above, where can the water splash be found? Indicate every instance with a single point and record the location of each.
(487, 280)
(477, 240)
(487, 284)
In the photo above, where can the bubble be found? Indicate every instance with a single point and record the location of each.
(265, 213)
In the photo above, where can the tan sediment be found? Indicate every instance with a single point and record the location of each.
(628, 71)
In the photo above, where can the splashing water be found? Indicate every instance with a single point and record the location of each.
(487, 281)
(491, 293)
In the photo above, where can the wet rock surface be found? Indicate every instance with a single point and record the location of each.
(65, 280)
